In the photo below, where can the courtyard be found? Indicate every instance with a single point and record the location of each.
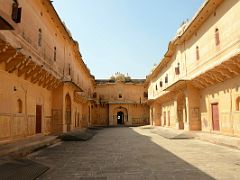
(138, 153)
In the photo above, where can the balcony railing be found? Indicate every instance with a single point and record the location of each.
(43, 55)
(212, 54)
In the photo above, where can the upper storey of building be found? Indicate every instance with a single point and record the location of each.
(48, 52)
(34, 30)
(199, 52)
(122, 89)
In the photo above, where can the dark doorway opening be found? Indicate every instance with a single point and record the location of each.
(38, 119)
(120, 118)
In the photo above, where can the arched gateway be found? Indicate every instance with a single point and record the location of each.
(120, 115)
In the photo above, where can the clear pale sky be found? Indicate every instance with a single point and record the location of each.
(127, 36)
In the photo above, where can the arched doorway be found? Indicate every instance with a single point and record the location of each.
(68, 112)
(120, 118)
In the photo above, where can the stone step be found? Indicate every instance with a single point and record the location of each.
(27, 145)
(229, 141)
(215, 138)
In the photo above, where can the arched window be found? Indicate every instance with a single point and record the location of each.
(161, 84)
(238, 103)
(217, 37)
(197, 53)
(166, 78)
(40, 37)
(177, 69)
(16, 12)
(156, 87)
(19, 105)
(55, 54)
(145, 94)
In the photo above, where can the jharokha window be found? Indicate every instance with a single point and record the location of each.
(19, 105)
(217, 37)
(238, 103)
(197, 53)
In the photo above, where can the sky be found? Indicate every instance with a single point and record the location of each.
(127, 36)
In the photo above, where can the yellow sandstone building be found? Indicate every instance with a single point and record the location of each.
(196, 86)
(46, 88)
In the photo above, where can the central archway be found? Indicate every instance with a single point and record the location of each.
(120, 116)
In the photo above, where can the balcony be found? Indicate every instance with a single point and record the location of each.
(213, 55)
(228, 69)
(15, 59)
(44, 54)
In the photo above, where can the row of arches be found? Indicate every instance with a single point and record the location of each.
(76, 115)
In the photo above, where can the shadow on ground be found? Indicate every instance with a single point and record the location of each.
(114, 153)
(79, 135)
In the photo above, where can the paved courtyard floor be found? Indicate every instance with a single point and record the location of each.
(137, 153)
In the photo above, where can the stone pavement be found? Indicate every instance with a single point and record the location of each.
(137, 153)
